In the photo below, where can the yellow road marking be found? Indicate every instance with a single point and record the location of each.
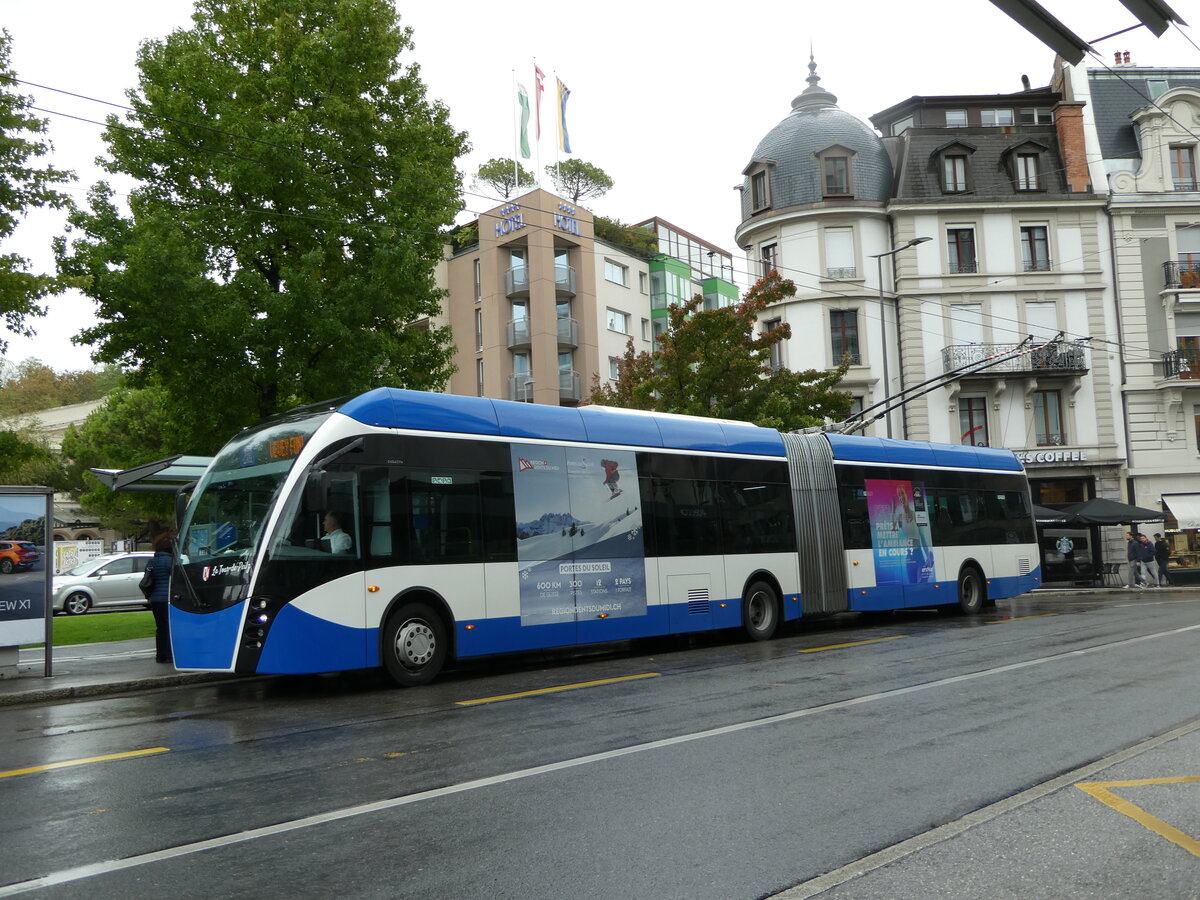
(555, 690)
(1100, 790)
(894, 637)
(1020, 618)
(66, 763)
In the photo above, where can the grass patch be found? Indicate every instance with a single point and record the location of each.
(96, 628)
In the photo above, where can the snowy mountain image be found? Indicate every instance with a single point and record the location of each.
(588, 540)
(547, 523)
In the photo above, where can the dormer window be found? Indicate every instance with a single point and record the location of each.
(837, 171)
(1024, 163)
(995, 117)
(1027, 172)
(1183, 168)
(759, 174)
(956, 118)
(953, 165)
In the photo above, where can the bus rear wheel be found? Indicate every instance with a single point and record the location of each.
(414, 644)
(971, 591)
(760, 611)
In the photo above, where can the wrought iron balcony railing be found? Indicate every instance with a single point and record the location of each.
(1182, 363)
(1183, 274)
(1062, 357)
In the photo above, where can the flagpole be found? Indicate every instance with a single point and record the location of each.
(516, 145)
(537, 143)
(558, 131)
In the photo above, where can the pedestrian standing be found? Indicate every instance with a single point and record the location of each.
(1146, 558)
(160, 565)
(1131, 556)
(1162, 554)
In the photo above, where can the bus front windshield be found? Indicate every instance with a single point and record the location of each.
(226, 517)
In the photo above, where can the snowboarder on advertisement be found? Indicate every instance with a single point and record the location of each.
(611, 477)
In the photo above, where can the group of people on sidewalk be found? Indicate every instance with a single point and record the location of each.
(1147, 561)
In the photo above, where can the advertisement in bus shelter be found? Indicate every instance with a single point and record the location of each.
(22, 569)
(900, 531)
(579, 533)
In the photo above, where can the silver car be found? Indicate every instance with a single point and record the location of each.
(102, 582)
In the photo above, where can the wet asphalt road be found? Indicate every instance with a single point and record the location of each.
(712, 769)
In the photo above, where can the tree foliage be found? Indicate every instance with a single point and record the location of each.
(26, 458)
(504, 176)
(34, 386)
(579, 180)
(711, 363)
(23, 186)
(641, 242)
(134, 426)
(294, 186)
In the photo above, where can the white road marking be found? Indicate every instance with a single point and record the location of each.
(92, 870)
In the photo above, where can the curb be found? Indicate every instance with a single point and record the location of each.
(128, 686)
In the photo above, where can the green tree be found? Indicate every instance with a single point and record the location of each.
(134, 426)
(504, 176)
(711, 363)
(26, 458)
(34, 386)
(23, 186)
(294, 187)
(639, 241)
(579, 180)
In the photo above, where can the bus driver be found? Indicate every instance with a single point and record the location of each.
(339, 541)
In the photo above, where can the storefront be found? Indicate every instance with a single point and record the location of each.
(1182, 532)
(1068, 553)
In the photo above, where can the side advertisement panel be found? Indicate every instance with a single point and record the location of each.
(579, 534)
(900, 538)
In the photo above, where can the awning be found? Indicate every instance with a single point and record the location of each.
(1186, 508)
(1044, 515)
(166, 475)
(1101, 511)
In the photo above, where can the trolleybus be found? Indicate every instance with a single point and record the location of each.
(405, 529)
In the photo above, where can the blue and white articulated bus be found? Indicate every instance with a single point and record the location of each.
(405, 529)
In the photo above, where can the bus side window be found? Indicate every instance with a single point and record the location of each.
(445, 517)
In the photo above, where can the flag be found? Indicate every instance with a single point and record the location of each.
(523, 100)
(538, 75)
(564, 139)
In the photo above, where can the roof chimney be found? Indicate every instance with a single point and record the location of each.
(1127, 62)
(1024, 82)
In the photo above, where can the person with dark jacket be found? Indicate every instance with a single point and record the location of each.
(1162, 553)
(1131, 556)
(1145, 551)
(160, 567)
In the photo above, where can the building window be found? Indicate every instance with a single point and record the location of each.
(902, 125)
(618, 321)
(769, 254)
(836, 170)
(615, 272)
(1196, 419)
(776, 361)
(843, 332)
(479, 377)
(961, 245)
(995, 117)
(1183, 168)
(760, 191)
(1047, 419)
(478, 280)
(954, 174)
(956, 118)
(972, 420)
(1189, 356)
(479, 329)
(1035, 248)
(1036, 117)
(645, 329)
(643, 282)
(614, 372)
(1027, 172)
(839, 253)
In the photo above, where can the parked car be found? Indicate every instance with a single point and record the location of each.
(15, 555)
(101, 583)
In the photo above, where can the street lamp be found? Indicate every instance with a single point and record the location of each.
(878, 257)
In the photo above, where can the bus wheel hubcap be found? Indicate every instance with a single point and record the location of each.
(415, 643)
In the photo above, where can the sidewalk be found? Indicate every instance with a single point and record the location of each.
(94, 670)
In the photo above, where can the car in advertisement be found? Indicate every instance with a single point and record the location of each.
(104, 582)
(17, 555)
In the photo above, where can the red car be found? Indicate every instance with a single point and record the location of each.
(16, 555)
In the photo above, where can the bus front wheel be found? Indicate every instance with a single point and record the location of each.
(760, 611)
(414, 644)
(971, 592)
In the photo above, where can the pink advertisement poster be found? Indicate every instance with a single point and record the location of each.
(899, 531)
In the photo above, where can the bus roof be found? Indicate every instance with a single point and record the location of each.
(456, 414)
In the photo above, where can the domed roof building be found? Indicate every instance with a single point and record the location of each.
(815, 207)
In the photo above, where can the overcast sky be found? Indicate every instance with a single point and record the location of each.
(667, 98)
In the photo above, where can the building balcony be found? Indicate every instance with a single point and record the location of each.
(520, 388)
(568, 333)
(1061, 357)
(842, 273)
(516, 282)
(1181, 274)
(564, 280)
(1183, 364)
(518, 334)
(963, 267)
(570, 386)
